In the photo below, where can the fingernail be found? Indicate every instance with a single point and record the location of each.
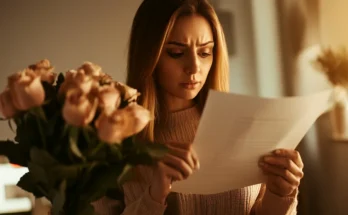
(277, 152)
(261, 163)
(198, 165)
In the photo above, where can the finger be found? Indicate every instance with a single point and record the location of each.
(280, 186)
(195, 159)
(292, 154)
(284, 173)
(178, 164)
(170, 172)
(183, 154)
(284, 162)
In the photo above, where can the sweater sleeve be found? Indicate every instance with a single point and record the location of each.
(272, 204)
(107, 206)
(143, 205)
(137, 196)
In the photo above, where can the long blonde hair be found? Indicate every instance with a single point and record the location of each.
(152, 25)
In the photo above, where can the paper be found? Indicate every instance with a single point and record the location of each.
(236, 130)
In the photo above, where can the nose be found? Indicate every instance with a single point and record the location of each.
(192, 64)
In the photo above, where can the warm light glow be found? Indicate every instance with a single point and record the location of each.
(333, 21)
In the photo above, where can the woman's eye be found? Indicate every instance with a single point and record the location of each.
(205, 54)
(175, 54)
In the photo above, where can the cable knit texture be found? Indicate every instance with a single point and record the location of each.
(181, 127)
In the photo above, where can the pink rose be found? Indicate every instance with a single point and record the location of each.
(77, 79)
(44, 69)
(7, 108)
(79, 108)
(109, 98)
(122, 123)
(91, 69)
(26, 90)
(105, 79)
(128, 93)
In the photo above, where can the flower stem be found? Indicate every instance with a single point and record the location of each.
(42, 134)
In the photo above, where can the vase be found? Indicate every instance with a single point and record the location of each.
(339, 114)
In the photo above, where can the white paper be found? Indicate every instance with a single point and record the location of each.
(236, 130)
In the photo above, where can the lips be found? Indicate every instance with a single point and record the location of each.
(190, 85)
(191, 82)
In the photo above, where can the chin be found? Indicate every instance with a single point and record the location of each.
(189, 95)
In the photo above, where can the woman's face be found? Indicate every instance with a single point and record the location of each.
(186, 59)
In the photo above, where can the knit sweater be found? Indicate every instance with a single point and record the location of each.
(181, 127)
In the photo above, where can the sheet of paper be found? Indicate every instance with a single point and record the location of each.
(236, 130)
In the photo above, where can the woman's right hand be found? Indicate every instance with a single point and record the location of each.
(177, 165)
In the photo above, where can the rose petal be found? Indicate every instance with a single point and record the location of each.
(26, 90)
(78, 110)
(7, 108)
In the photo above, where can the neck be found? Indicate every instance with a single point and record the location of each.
(174, 104)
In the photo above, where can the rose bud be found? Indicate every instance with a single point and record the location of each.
(109, 98)
(77, 79)
(79, 109)
(122, 123)
(105, 79)
(26, 90)
(91, 69)
(7, 108)
(128, 93)
(44, 69)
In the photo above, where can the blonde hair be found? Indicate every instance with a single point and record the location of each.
(152, 25)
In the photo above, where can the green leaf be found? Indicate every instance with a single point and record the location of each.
(85, 209)
(60, 172)
(16, 153)
(97, 149)
(115, 193)
(140, 159)
(85, 132)
(10, 125)
(38, 173)
(60, 80)
(100, 179)
(26, 182)
(73, 139)
(115, 152)
(51, 125)
(126, 174)
(42, 133)
(156, 150)
(59, 199)
(42, 158)
(65, 130)
(39, 112)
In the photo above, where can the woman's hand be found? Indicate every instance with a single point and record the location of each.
(284, 170)
(177, 165)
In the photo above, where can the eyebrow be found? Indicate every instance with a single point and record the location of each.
(185, 45)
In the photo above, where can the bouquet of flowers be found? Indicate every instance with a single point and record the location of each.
(76, 133)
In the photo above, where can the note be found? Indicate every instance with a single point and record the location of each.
(236, 130)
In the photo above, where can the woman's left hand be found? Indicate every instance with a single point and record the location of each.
(284, 171)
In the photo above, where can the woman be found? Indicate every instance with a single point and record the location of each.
(177, 53)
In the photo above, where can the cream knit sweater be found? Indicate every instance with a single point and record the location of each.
(181, 127)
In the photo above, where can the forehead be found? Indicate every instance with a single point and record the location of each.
(191, 28)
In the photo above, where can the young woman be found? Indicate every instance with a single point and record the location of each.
(177, 53)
